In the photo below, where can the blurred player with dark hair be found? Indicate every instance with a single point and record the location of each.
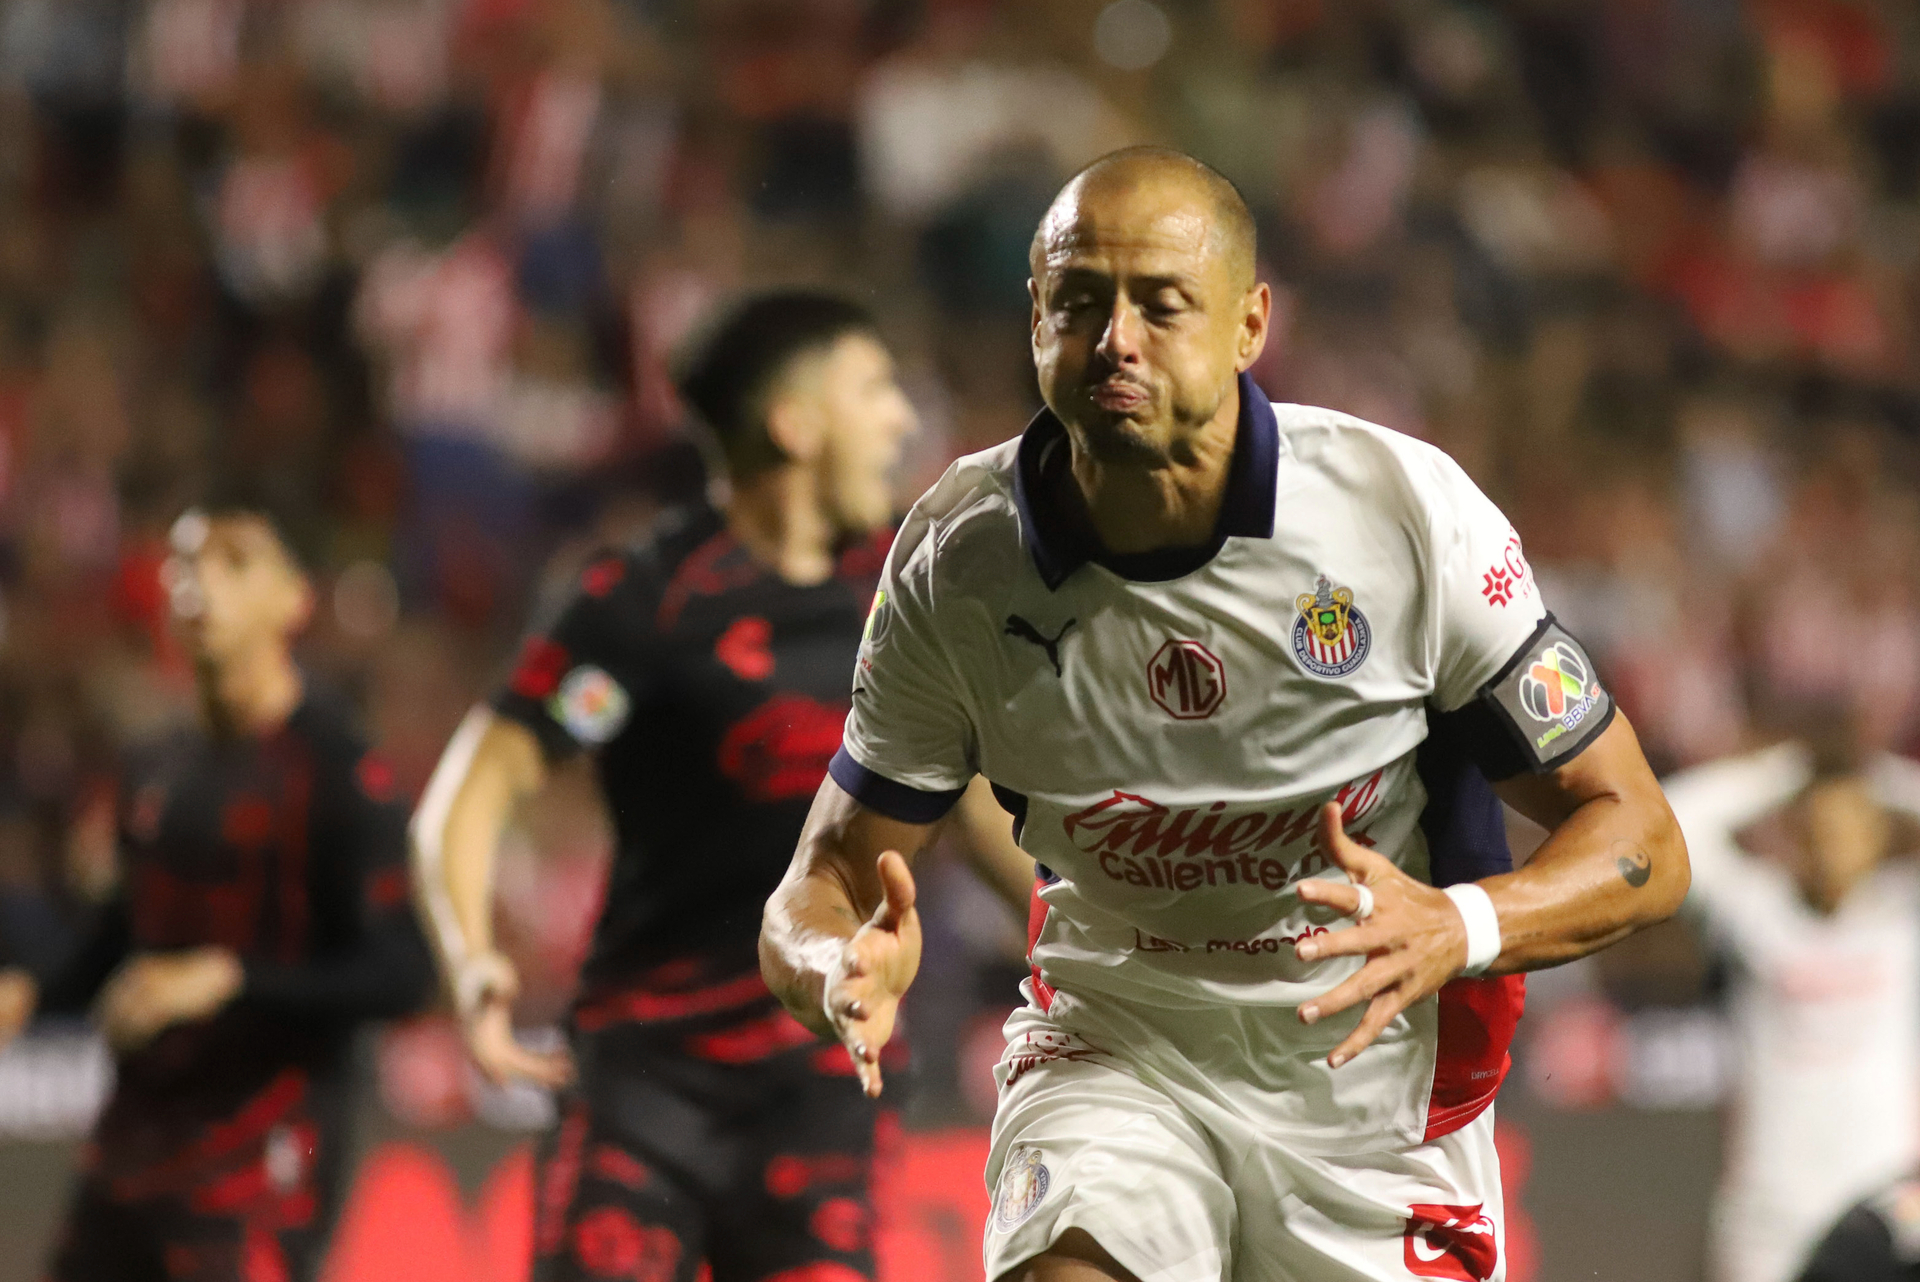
(1798, 878)
(706, 670)
(263, 915)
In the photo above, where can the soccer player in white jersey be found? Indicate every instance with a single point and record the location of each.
(1791, 874)
(1231, 666)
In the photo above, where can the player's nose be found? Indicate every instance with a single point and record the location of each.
(1120, 340)
(906, 419)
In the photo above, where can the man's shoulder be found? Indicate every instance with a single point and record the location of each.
(974, 486)
(1356, 454)
(623, 582)
(649, 559)
(966, 521)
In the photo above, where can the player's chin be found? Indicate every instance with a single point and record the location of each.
(1129, 437)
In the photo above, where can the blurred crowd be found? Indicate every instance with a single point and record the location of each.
(1650, 269)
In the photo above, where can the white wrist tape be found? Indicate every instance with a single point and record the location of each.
(480, 977)
(1482, 923)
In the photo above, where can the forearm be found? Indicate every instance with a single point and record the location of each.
(487, 769)
(385, 975)
(831, 889)
(1614, 865)
(803, 933)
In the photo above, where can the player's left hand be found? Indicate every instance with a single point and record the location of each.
(153, 991)
(1414, 940)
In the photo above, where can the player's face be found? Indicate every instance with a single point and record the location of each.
(233, 587)
(1140, 319)
(1847, 834)
(865, 417)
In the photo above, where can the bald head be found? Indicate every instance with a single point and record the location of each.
(1136, 183)
(1145, 306)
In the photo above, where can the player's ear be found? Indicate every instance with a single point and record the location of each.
(1033, 292)
(796, 427)
(306, 599)
(1255, 324)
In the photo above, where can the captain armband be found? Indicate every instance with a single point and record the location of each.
(1540, 710)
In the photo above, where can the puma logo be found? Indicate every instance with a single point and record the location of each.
(1019, 627)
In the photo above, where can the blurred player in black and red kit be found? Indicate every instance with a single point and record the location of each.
(707, 671)
(262, 915)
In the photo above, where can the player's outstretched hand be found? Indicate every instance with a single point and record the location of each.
(876, 966)
(153, 991)
(1414, 940)
(487, 1030)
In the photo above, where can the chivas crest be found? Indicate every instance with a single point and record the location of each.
(1331, 637)
(1023, 1186)
(1327, 611)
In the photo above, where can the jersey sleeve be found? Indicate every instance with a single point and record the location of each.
(108, 940)
(908, 748)
(1523, 692)
(574, 681)
(1484, 600)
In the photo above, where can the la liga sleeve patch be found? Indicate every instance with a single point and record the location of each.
(1548, 698)
(591, 705)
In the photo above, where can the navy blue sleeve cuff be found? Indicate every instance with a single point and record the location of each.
(883, 796)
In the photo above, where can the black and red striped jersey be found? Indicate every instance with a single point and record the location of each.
(712, 693)
(287, 848)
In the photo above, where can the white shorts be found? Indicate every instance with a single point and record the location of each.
(1178, 1189)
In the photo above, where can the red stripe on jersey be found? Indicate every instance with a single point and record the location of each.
(699, 575)
(1037, 911)
(642, 1005)
(537, 672)
(275, 1102)
(559, 1177)
(756, 1040)
(1477, 1019)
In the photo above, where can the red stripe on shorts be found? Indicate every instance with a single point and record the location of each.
(1477, 1019)
(1036, 922)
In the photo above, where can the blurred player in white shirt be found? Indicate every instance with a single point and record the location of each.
(1242, 673)
(1793, 876)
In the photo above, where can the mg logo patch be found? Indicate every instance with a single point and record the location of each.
(1187, 680)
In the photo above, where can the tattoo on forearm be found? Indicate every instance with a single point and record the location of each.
(1635, 865)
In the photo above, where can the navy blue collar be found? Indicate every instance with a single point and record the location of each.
(1061, 538)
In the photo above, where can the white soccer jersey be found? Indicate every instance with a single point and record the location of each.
(1166, 727)
(1826, 1012)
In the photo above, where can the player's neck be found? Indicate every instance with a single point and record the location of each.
(251, 694)
(1138, 508)
(778, 518)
